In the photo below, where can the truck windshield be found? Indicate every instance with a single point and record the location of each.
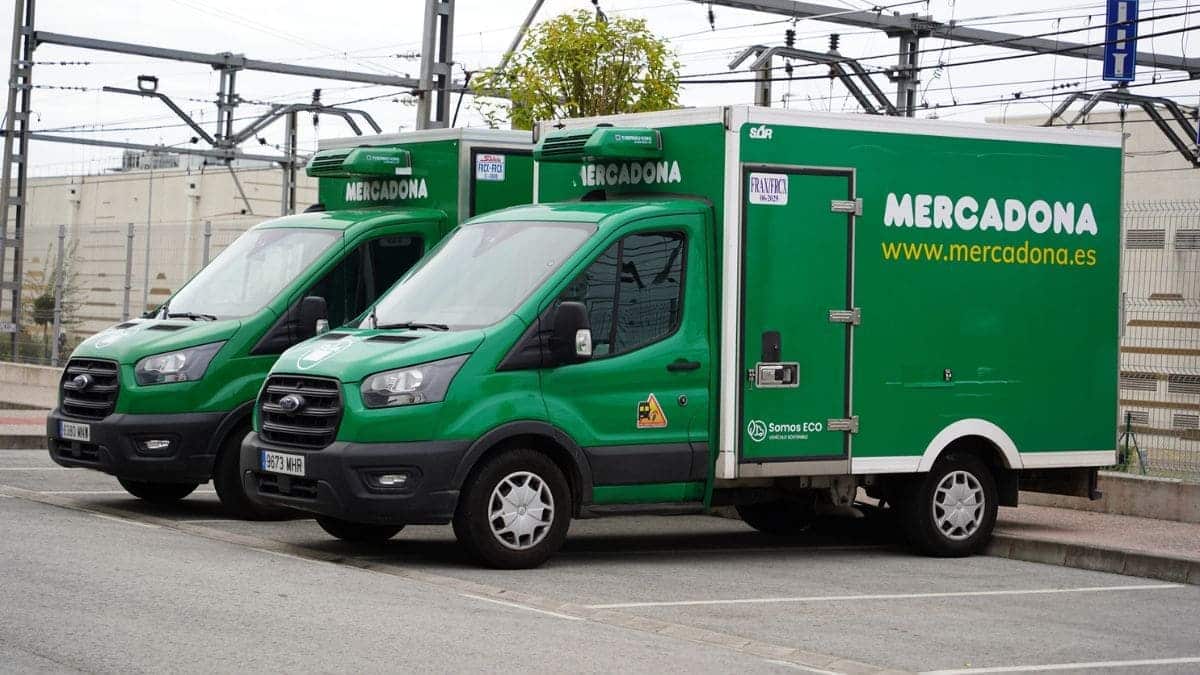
(251, 272)
(479, 275)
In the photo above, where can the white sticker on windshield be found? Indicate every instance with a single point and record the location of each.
(489, 167)
(769, 188)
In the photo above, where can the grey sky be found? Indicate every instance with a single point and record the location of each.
(370, 34)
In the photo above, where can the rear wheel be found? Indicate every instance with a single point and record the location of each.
(361, 533)
(780, 518)
(951, 511)
(514, 511)
(227, 479)
(157, 493)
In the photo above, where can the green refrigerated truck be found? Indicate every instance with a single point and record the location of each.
(162, 402)
(772, 310)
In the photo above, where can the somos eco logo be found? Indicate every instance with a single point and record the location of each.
(760, 431)
(757, 430)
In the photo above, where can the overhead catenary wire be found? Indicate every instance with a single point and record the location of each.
(996, 43)
(994, 59)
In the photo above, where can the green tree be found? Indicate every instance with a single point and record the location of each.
(576, 65)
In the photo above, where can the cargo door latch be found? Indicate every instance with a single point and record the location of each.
(850, 206)
(851, 316)
(849, 424)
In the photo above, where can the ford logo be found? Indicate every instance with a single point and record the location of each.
(291, 403)
(81, 382)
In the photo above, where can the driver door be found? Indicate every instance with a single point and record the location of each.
(639, 406)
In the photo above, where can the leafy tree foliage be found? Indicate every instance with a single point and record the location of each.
(577, 65)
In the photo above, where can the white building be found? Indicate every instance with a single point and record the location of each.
(174, 214)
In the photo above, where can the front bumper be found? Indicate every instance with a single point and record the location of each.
(115, 445)
(336, 480)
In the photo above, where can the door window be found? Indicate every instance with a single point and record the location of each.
(633, 292)
(364, 274)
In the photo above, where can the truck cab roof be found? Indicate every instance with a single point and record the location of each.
(602, 213)
(347, 219)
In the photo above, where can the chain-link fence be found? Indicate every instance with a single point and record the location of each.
(1160, 342)
(109, 272)
(121, 242)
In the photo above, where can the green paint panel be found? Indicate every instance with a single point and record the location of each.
(1011, 325)
(648, 493)
(795, 260)
(500, 179)
(433, 182)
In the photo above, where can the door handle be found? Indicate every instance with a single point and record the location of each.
(682, 365)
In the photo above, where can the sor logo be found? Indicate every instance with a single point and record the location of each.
(761, 132)
(757, 429)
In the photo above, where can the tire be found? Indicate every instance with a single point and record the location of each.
(157, 493)
(779, 518)
(359, 533)
(227, 479)
(538, 518)
(962, 528)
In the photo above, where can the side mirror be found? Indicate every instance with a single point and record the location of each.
(314, 316)
(572, 339)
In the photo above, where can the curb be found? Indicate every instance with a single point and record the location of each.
(23, 441)
(1094, 558)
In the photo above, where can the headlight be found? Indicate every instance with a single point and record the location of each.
(181, 366)
(426, 383)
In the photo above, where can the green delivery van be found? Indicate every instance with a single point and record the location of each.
(758, 308)
(163, 402)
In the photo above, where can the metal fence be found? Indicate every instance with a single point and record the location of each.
(112, 271)
(109, 272)
(1160, 341)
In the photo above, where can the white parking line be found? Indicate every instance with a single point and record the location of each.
(1068, 666)
(527, 608)
(107, 492)
(42, 468)
(889, 596)
(122, 520)
(797, 666)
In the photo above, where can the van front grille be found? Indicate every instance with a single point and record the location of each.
(309, 416)
(89, 389)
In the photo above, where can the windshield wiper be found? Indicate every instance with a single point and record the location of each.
(191, 315)
(414, 324)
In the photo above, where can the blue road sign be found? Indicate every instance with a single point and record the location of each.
(1120, 41)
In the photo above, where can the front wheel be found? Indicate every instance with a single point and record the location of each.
(157, 493)
(951, 511)
(227, 480)
(514, 511)
(359, 533)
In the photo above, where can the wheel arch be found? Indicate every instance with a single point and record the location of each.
(979, 436)
(230, 423)
(541, 436)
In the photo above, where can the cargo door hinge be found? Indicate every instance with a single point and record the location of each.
(850, 206)
(843, 424)
(850, 316)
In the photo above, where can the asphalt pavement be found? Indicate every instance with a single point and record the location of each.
(93, 580)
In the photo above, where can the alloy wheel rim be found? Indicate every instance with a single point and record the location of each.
(521, 510)
(958, 505)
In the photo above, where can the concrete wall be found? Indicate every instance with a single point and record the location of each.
(1143, 496)
(29, 386)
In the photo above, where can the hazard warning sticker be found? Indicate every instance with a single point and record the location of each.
(650, 414)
